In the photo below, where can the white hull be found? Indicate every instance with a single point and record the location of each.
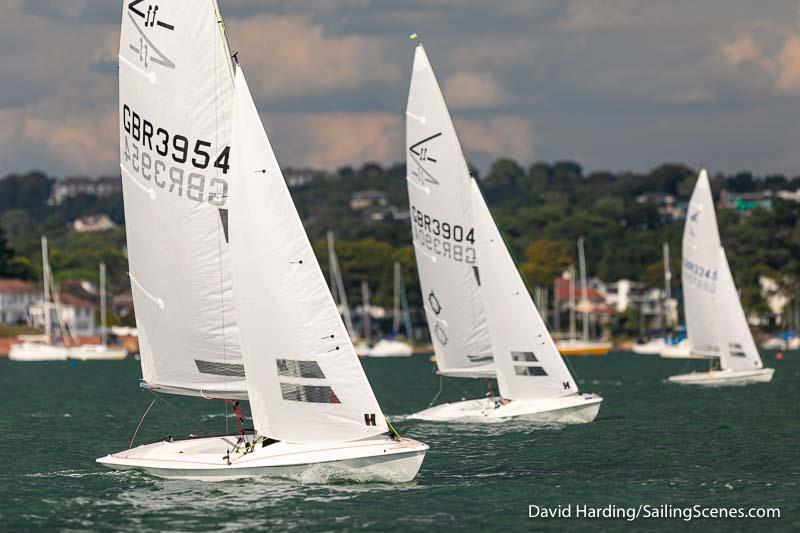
(379, 458)
(391, 348)
(724, 377)
(97, 352)
(574, 409)
(681, 351)
(653, 347)
(33, 351)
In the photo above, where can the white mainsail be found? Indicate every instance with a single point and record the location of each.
(175, 106)
(527, 360)
(442, 227)
(738, 350)
(700, 270)
(304, 380)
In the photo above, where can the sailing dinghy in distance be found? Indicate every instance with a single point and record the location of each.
(715, 320)
(477, 305)
(314, 412)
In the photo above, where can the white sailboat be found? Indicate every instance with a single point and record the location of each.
(482, 319)
(312, 406)
(44, 349)
(715, 320)
(102, 351)
(395, 346)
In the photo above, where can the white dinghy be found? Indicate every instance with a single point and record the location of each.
(715, 321)
(482, 319)
(278, 339)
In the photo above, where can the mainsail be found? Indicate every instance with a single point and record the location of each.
(527, 360)
(442, 227)
(175, 108)
(304, 380)
(700, 270)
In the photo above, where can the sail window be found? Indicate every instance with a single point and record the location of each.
(524, 356)
(529, 371)
(308, 393)
(219, 369)
(299, 369)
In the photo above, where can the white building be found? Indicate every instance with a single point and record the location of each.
(649, 301)
(16, 297)
(92, 223)
(77, 315)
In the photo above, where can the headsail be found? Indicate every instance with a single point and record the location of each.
(737, 348)
(699, 271)
(442, 227)
(527, 360)
(175, 108)
(304, 380)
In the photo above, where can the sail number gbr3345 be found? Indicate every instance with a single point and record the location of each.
(173, 162)
(450, 241)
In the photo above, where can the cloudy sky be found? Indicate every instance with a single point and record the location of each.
(614, 84)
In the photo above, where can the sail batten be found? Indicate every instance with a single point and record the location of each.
(304, 380)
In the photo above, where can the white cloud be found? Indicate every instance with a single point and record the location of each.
(291, 56)
(471, 90)
(497, 136)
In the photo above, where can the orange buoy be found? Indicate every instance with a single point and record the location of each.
(779, 356)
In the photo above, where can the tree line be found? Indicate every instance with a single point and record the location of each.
(541, 211)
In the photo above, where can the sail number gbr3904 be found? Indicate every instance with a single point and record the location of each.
(161, 157)
(450, 241)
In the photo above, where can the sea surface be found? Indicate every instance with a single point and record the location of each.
(653, 444)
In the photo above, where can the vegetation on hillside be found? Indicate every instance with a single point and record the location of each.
(541, 210)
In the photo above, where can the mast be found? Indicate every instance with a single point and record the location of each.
(556, 306)
(103, 332)
(585, 289)
(572, 302)
(226, 40)
(46, 279)
(365, 307)
(337, 286)
(396, 309)
(667, 287)
(401, 289)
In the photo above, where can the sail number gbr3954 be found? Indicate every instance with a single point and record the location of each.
(443, 239)
(161, 157)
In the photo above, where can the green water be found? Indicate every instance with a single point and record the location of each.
(653, 443)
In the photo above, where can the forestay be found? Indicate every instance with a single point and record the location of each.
(700, 272)
(304, 380)
(738, 350)
(442, 228)
(175, 109)
(527, 360)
